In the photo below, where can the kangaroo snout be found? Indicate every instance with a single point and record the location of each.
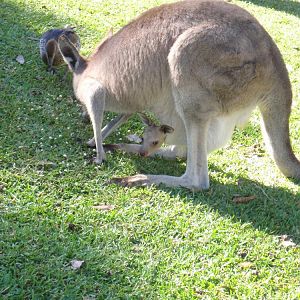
(144, 153)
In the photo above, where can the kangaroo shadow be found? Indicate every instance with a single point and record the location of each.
(290, 7)
(274, 210)
(44, 238)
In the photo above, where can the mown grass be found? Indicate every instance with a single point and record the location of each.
(156, 243)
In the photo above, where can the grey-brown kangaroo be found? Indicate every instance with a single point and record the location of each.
(201, 66)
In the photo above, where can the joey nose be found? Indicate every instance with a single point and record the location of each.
(144, 153)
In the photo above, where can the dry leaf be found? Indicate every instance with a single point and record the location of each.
(286, 241)
(246, 264)
(45, 164)
(104, 207)
(134, 138)
(71, 226)
(199, 292)
(20, 59)
(288, 244)
(76, 264)
(243, 254)
(284, 237)
(240, 200)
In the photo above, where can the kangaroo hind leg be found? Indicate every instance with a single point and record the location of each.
(196, 125)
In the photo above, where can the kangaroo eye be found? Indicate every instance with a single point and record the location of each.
(155, 143)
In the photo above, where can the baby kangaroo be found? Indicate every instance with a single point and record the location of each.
(153, 138)
(201, 66)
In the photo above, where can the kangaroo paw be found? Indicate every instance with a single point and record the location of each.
(131, 181)
(91, 143)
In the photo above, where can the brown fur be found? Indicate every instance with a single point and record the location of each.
(201, 66)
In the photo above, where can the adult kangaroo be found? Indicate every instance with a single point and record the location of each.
(201, 66)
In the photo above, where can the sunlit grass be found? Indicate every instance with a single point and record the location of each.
(154, 243)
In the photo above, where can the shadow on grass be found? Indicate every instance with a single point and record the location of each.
(275, 210)
(290, 7)
(32, 263)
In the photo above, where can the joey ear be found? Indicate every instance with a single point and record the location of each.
(166, 129)
(70, 54)
(146, 120)
(51, 48)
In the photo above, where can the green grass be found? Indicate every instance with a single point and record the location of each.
(157, 243)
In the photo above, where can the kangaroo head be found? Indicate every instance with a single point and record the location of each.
(73, 59)
(153, 136)
(71, 56)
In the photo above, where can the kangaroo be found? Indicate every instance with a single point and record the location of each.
(49, 51)
(153, 138)
(201, 66)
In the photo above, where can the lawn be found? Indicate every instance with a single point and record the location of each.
(139, 243)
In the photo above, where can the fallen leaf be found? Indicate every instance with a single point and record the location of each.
(134, 138)
(104, 207)
(199, 292)
(284, 237)
(286, 241)
(254, 272)
(288, 244)
(20, 59)
(71, 226)
(243, 254)
(45, 164)
(76, 264)
(35, 92)
(246, 264)
(241, 200)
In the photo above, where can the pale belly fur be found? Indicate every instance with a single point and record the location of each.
(219, 133)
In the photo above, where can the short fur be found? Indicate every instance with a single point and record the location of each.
(201, 66)
(49, 51)
(153, 138)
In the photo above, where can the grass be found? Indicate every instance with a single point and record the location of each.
(154, 243)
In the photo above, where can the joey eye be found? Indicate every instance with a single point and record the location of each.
(155, 143)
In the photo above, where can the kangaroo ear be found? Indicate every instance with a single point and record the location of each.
(70, 54)
(146, 120)
(166, 129)
(51, 48)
